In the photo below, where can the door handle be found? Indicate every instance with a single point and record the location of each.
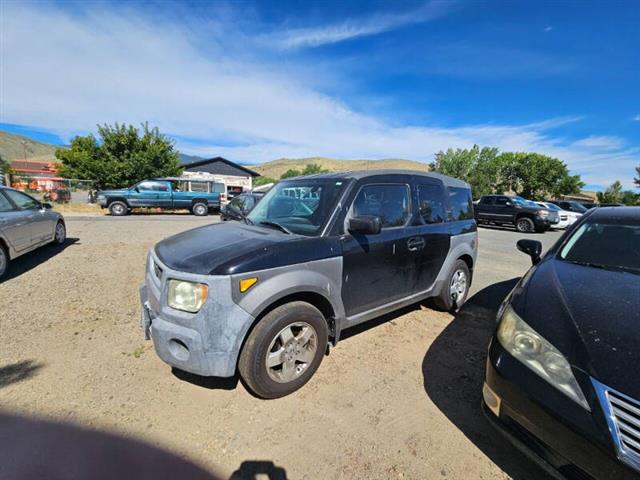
(416, 243)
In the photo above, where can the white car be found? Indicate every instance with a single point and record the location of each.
(567, 218)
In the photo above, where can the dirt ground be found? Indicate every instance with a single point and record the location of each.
(398, 398)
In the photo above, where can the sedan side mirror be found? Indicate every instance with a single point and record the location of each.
(47, 206)
(533, 248)
(365, 225)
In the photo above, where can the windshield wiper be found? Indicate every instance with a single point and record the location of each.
(607, 267)
(246, 220)
(282, 228)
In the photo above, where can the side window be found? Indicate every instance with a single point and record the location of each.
(200, 187)
(502, 201)
(249, 202)
(389, 202)
(160, 187)
(22, 200)
(5, 205)
(145, 187)
(237, 203)
(432, 203)
(486, 200)
(461, 203)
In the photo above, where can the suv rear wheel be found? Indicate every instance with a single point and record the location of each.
(284, 350)
(525, 225)
(456, 289)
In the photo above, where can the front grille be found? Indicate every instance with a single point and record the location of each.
(623, 417)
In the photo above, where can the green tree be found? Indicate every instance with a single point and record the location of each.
(478, 167)
(121, 156)
(636, 180)
(630, 198)
(292, 172)
(613, 194)
(536, 176)
(263, 181)
(312, 169)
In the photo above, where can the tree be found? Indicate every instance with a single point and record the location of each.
(478, 167)
(263, 181)
(613, 194)
(122, 156)
(630, 198)
(536, 176)
(636, 180)
(313, 169)
(290, 173)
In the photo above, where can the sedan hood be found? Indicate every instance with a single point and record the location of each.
(230, 248)
(591, 315)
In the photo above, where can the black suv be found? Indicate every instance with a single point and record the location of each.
(525, 215)
(317, 255)
(570, 205)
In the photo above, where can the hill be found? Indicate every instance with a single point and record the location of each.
(276, 168)
(17, 147)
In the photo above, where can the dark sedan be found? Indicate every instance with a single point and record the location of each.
(562, 377)
(240, 206)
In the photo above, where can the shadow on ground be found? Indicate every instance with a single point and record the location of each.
(17, 372)
(32, 259)
(453, 371)
(211, 383)
(259, 469)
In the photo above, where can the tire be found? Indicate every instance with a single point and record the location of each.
(60, 234)
(525, 225)
(296, 335)
(458, 282)
(118, 209)
(4, 261)
(200, 209)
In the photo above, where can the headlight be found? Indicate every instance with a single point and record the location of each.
(525, 344)
(187, 296)
(542, 213)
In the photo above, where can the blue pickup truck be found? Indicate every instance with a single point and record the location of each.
(198, 196)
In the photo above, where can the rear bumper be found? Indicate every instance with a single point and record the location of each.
(539, 428)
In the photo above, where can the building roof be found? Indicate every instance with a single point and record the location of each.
(197, 163)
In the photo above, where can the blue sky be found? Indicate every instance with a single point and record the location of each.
(258, 81)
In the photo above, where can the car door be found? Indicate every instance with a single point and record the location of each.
(433, 232)
(503, 210)
(486, 209)
(377, 269)
(164, 194)
(144, 195)
(16, 222)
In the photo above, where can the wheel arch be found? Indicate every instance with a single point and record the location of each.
(110, 200)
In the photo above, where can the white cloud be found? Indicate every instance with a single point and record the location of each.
(548, 29)
(636, 118)
(66, 72)
(357, 27)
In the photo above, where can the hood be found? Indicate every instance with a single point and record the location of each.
(591, 315)
(231, 248)
(115, 191)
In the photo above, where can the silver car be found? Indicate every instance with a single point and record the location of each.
(26, 224)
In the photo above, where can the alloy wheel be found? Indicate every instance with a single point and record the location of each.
(458, 285)
(291, 352)
(61, 233)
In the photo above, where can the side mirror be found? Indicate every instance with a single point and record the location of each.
(533, 248)
(47, 206)
(508, 204)
(365, 225)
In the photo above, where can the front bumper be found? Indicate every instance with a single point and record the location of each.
(539, 419)
(205, 343)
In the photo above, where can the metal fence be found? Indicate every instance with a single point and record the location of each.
(56, 189)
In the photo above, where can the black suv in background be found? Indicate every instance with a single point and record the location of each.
(571, 205)
(525, 215)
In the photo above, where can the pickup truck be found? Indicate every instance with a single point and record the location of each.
(198, 196)
(317, 255)
(525, 215)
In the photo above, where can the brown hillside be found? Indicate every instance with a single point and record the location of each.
(276, 168)
(13, 148)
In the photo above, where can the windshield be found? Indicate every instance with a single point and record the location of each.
(299, 206)
(614, 246)
(551, 206)
(522, 201)
(578, 207)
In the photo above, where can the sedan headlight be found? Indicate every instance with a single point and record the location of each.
(525, 344)
(187, 296)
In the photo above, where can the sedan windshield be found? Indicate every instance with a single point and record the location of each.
(298, 206)
(611, 246)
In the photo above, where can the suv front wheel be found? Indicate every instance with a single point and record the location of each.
(284, 350)
(525, 225)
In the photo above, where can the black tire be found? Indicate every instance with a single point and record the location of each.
(60, 234)
(200, 209)
(525, 225)
(445, 300)
(4, 261)
(252, 364)
(118, 208)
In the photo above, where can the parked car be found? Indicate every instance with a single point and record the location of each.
(611, 205)
(570, 206)
(567, 218)
(198, 196)
(525, 215)
(240, 206)
(562, 373)
(317, 255)
(26, 224)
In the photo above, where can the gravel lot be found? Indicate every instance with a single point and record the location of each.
(398, 398)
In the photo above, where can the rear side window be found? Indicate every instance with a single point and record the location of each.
(199, 187)
(389, 202)
(432, 203)
(461, 203)
(5, 206)
(502, 200)
(218, 187)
